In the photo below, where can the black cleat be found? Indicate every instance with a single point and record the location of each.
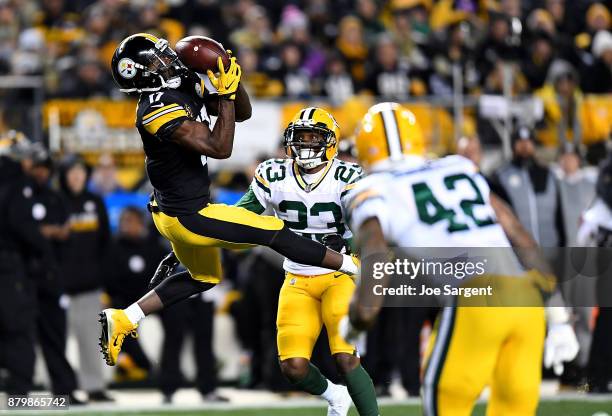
(165, 269)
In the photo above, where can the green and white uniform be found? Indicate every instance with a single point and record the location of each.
(310, 204)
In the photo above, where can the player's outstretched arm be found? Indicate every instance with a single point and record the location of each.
(242, 105)
(218, 143)
(525, 247)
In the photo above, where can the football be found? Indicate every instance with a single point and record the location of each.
(200, 53)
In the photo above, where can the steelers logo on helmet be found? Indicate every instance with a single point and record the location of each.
(311, 138)
(145, 63)
(127, 68)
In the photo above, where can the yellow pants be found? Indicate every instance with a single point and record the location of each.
(305, 304)
(196, 238)
(477, 346)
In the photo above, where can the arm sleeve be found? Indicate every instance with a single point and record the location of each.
(250, 202)
(161, 117)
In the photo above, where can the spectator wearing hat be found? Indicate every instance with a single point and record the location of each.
(532, 190)
(82, 259)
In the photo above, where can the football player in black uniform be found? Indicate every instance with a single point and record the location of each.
(173, 119)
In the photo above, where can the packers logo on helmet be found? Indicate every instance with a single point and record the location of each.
(310, 151)
(388, 131)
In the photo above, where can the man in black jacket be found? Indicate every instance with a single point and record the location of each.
(46, 209)
(82, 258)
(17, 318)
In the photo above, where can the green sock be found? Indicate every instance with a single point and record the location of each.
(313, 383)
(362, 392)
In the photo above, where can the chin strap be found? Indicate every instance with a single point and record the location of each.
(172, 83)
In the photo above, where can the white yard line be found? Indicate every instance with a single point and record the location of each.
(185, 400)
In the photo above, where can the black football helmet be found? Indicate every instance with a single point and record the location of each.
(143, 62)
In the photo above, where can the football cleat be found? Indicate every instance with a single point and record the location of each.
(115, 327)
(340, 404)
(165, 269)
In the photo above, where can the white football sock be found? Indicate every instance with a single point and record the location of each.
(134, 313)
(331, 392)
(348, 265)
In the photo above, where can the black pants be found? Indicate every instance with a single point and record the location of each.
(394, 345)
(196, 316)
(600, 357)
(52, 333)
(381, 353)
(409, 347)
(17, 324)
(132, 347)
(255, 316)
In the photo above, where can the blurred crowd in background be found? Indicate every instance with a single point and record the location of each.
(85, 241)
(299, 48)
(555, 50)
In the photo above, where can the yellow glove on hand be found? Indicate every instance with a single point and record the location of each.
(226, 82)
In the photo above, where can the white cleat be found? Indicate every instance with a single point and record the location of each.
(341, 403)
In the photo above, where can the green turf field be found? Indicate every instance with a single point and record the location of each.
(562, 408)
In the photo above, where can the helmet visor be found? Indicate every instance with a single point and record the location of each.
(163, 61)
(308, 143)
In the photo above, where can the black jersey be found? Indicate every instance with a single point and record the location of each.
(179, 176)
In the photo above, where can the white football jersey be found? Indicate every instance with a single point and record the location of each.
(437, 203)
(311, 205)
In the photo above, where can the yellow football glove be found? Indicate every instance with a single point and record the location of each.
(226, 82)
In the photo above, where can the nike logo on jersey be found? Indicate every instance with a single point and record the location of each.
(157, 105)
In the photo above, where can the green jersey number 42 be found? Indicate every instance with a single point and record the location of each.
(431, 211)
